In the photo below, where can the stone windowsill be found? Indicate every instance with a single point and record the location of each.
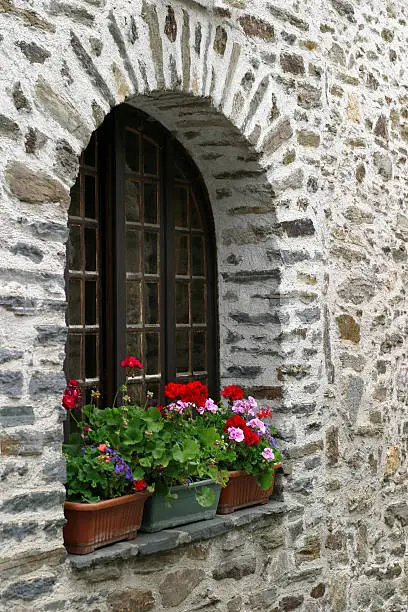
(150, 543)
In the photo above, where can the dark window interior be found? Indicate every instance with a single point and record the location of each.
(141, 277)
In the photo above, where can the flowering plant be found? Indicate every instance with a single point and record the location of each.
(163, 446)
(99, 473)
(97, 456)
(248, 436)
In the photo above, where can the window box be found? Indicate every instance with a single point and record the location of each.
(90, 526)
(243, 491)
(159, 514)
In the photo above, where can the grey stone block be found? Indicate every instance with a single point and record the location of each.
(29, 589)
(13, 416)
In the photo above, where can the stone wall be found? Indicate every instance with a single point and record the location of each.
(297, 116)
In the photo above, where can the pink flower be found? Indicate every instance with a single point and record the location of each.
(179, 406)
(210, 405)
(268, 454)
(258, 424)
(102, 448)
(238, 407)
(235, 433)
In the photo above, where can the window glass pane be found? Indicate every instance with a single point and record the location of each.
(133, 251)
(199, 352)
(151, 303)
(90, 249)
(74, 302)
(196, 222)
(151, 252)
(132, 151)
(152, 354)
(150, 203)
(182, 302)
(198, 314)
(178, 173)
(74, 356)
(197, 255)
(75, 206)
(181, 253)
(90, 197)
(180, 202)
(132, 200)
(89, 158)
(133, 303)
(74, 248)
(182, 352)
(90, 303)
(91, 369)
(149, 157)
(134, 345)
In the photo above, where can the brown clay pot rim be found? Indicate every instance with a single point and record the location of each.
(106, 503)
(237, 473)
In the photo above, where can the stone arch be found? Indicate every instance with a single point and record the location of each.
(194, 71)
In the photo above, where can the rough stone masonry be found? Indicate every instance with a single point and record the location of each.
(297, 115)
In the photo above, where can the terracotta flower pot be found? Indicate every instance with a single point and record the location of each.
(90, 526)
(242, 491)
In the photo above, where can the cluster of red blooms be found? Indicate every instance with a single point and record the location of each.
(139, 485)
(250, 437)
(264, 412)
(72, 397)
(131, 362)
(194, 392)
(233, 393)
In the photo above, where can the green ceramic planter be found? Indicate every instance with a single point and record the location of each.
(185, 509)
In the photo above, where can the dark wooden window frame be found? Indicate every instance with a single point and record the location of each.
(111, 158)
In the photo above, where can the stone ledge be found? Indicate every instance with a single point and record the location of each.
(168, 539)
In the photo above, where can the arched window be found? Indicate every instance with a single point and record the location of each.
(141, 272)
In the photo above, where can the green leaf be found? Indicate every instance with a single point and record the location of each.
(191, 450)
(208, 436)
(265, 480)
(145, 461)
(178, 455)
(159, 449)
(138, 473)
(132, 435)
(205, 497)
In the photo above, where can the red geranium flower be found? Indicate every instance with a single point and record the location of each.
(172, 390)
(139, 485)
(264, 412)
(131, 362)
(162, 411)
(250, 437)
(72, 396)
(235, 421)
(68, 401)
(194, 392)
(233, 393)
